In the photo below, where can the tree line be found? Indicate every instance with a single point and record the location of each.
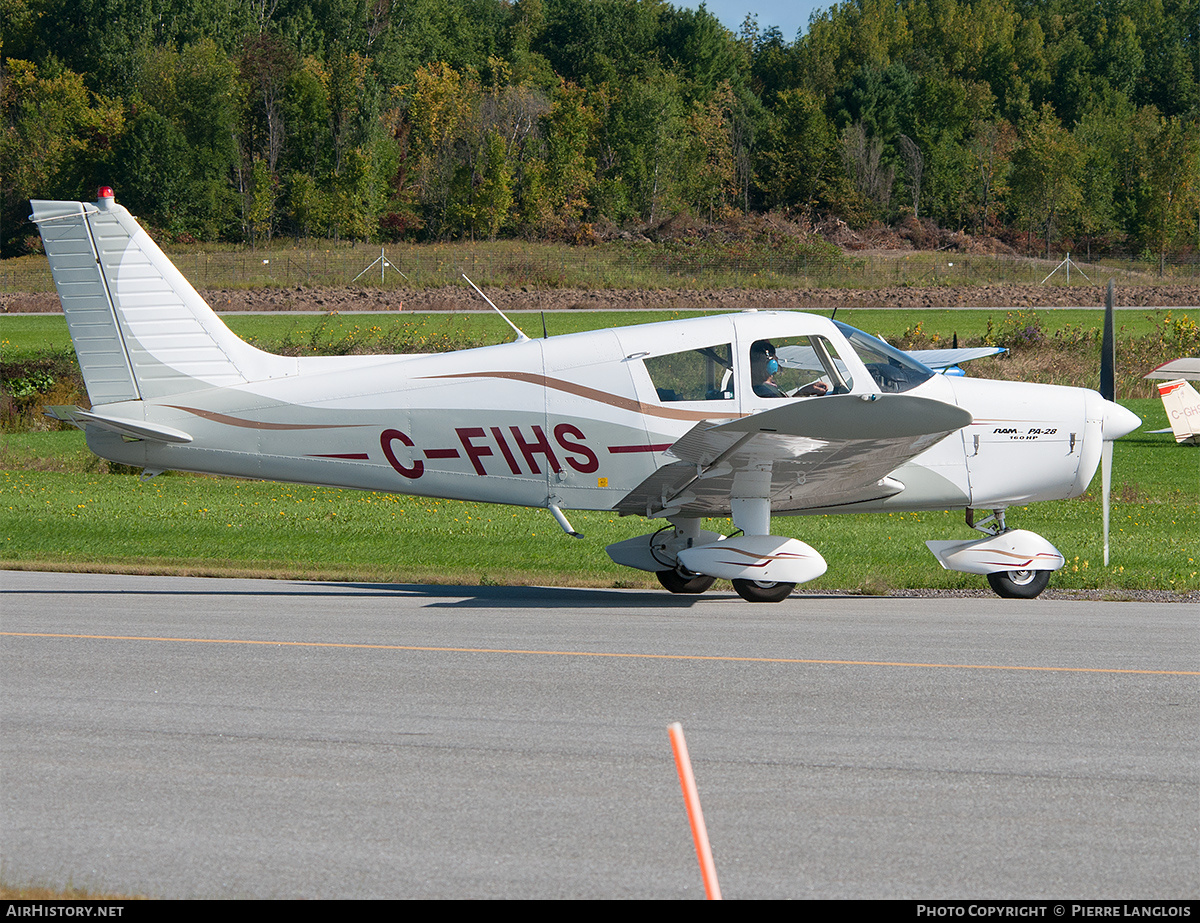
(439, 119)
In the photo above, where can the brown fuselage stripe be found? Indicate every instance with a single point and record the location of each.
(259, 424)
(592, 394)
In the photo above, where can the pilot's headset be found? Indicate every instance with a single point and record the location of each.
(772, 362)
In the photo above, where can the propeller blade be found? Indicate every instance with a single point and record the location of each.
(1106, 454)
(1108, 350)
(1108, 390)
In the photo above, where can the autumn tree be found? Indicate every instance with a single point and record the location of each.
(57, 137)
(990, 157)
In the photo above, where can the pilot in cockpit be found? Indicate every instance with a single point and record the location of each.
(764, 366)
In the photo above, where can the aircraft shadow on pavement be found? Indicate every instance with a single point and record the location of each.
(436, 595)
(535, 597)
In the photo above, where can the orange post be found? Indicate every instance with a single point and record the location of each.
(691, 798)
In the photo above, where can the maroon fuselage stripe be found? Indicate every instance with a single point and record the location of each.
(630, 449)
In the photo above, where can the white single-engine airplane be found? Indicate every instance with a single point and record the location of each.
(743, 415)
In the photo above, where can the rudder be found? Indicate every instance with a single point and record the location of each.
(139, 328)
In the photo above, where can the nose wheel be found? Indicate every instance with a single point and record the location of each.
(1019, 584)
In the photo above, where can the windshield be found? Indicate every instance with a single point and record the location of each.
(893, 370)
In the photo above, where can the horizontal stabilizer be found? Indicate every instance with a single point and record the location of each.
(133, 429)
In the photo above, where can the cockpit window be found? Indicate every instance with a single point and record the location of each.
(893, 370)
(798, 367)
(704, 374)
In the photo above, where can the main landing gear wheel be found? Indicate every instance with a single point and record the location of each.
(761, 591)
(685, 582)
(1019, 584)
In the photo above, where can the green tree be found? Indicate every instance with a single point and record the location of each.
(945, 107)
(104, 40)
(260, 212)
(711, 171)
(151, 166)
(645, 141)
(459, 33)
(1101, 135)
(196, 88)
(799, 159)
(1045, 175)
(702, 52)
(594, 42)
(1173, 204)
(529, 67)
(855, 34)
(441, 103)
(493, 194)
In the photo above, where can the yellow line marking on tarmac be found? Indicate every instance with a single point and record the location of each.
(489, 650)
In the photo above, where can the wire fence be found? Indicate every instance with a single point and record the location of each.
(597, 268)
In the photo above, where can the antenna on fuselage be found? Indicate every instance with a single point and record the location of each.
(520, 333)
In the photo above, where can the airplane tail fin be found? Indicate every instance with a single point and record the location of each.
(1182, 405)
(139, 328)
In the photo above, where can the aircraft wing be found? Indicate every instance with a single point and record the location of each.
(944, 358)
(1187, 368)
(811, 453)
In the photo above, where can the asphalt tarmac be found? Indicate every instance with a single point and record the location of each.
(209, 738)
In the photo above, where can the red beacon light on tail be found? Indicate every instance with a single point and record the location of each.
(104, 196)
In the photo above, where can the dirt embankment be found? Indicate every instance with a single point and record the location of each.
(455, 298)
